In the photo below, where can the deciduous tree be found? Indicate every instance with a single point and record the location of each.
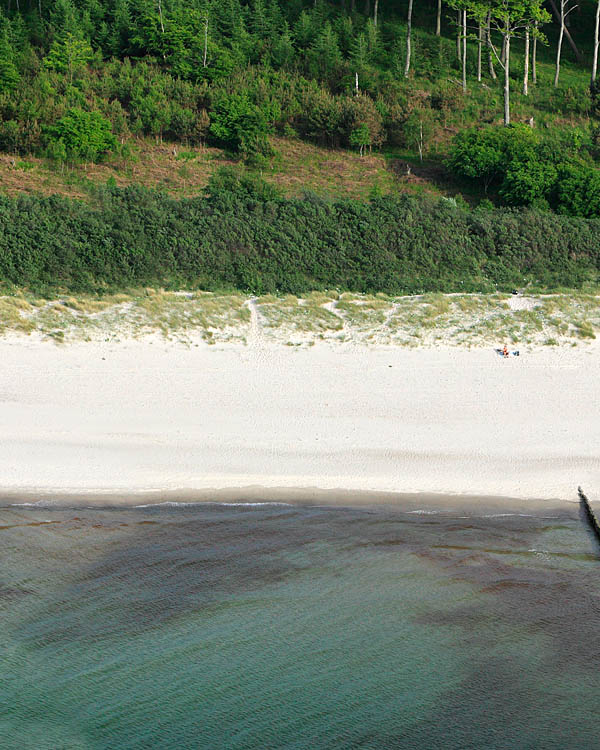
(419, 129)
(82, 135)
(69, 55)
(565, 9)
(596, 45)
(408, 38)
(511, 18)
(360, 138)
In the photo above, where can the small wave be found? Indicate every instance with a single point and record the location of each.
(425, 512)
(173, 504)
(251, 505)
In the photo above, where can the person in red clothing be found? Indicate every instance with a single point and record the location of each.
(505, 351)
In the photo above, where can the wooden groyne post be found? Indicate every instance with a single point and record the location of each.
(589, 513)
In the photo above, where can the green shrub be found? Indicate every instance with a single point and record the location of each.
(80, 135)
(244, 235)
(485, 154)
(239, 124)
(528, 171)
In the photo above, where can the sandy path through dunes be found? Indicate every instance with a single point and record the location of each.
(150, 415)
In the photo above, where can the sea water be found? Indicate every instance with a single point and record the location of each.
(275, 626)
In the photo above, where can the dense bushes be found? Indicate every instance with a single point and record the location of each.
(527, 170)
(245, 236)
(240, 125)
(80, 135)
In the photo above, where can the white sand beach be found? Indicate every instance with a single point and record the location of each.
(147, 415)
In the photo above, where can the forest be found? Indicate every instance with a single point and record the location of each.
(80, 78)
(503, 96)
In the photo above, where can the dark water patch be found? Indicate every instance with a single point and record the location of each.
(545, 597)
(11, 592)
(496, 708)
(502, 585)
(486, 550)
(33, 524)
(180, 563)
(397, 542)
(282, 627)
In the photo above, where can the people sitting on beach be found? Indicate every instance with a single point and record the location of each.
(505, 351)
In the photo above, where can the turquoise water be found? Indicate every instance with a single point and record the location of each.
(272, 626)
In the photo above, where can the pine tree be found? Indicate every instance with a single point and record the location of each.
(283, 49)
(304, 30)
(324, 56)
(359, 54)
(259, 25)
(227, 15)
(64, 19)
(9, 75)
(121, 28)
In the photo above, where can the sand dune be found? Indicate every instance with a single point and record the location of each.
(138, 416)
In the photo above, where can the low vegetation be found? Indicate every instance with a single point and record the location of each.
(245, 236)
(175, 315)
(296, 167)
(465, 320)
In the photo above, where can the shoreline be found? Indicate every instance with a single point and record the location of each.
(290, 496)
(141, 419)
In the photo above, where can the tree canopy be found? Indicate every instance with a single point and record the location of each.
(80, 78)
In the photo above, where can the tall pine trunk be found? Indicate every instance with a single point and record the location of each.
(464, 51)
(526, 65)
(488, 40)
(375, 11)
(408, 38)
(560, 41)
(438, 20)
(534, 58)
(458, 35)
(507, 75)
(479, 45)
(162, 26)
(596, 45)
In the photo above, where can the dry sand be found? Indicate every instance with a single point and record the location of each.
(113, 419)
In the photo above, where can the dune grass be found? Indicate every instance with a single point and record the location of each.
(465, 320)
